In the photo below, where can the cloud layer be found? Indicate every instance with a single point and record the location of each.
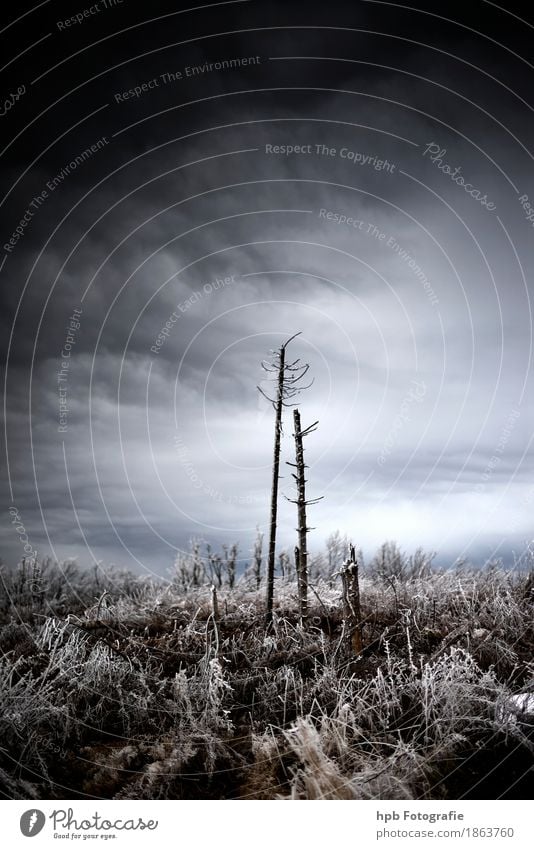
(299, 195)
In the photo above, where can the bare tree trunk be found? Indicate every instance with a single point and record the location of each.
(274, 489)
(258, 558)
(302, 561)
(288, 385)
(301, 551)
(352, 614)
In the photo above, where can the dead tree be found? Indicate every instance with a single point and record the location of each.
(352, 614)
(287, 377)
(215, 566)
(301, 551)
(230, 561)
(197, 565)
(258, 558)
(285, 565)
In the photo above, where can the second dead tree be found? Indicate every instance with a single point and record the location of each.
(301, 551)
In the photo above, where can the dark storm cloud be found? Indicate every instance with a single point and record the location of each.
(181, 445)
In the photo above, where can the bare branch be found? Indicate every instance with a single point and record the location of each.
(304, 368)
(260, 390)
(310, 428)
(291, 339)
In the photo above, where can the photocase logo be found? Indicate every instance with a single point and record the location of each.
(32, 822)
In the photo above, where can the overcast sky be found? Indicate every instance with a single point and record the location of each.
(192, 217)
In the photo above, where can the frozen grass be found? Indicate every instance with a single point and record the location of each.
(115, 687)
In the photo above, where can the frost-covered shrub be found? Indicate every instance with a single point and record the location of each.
(124, 688)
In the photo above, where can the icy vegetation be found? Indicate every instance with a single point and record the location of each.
(115, 686)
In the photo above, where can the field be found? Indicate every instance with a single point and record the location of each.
(119, 687)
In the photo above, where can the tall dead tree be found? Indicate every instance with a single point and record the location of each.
(287, 376)
(301, 551)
